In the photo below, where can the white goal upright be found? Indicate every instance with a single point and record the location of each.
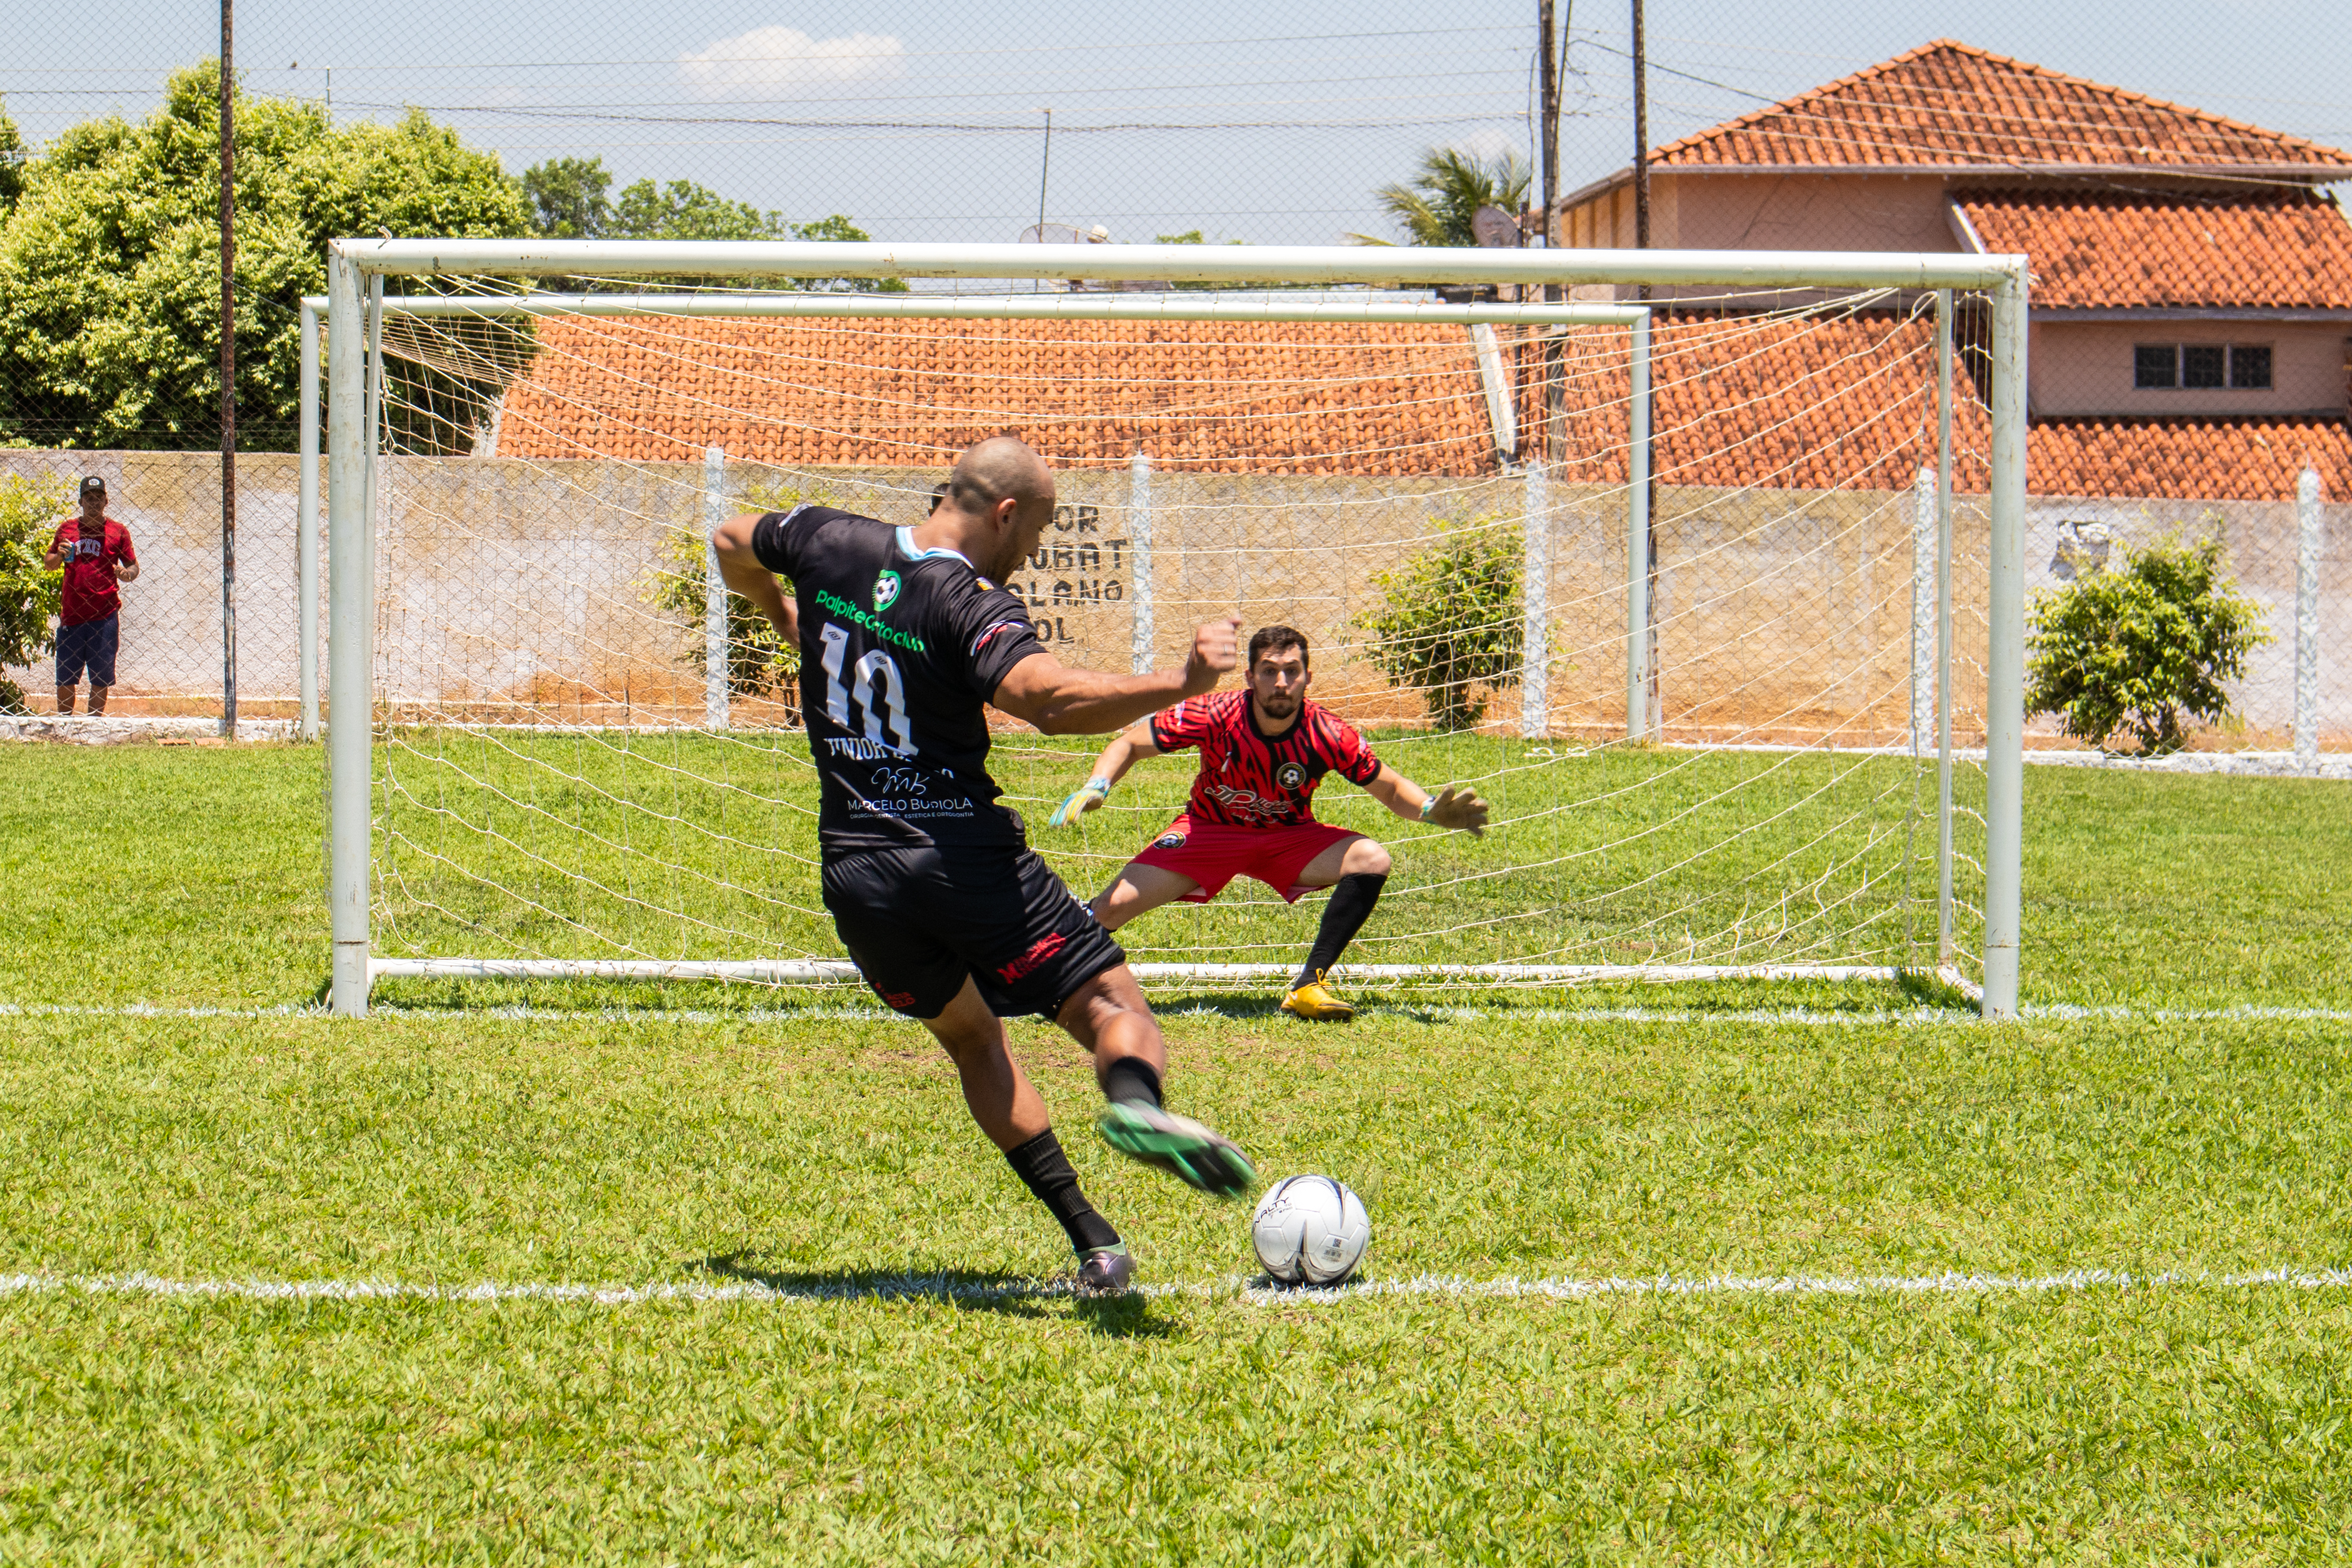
(1705, 570)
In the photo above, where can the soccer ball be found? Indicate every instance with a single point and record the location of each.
(1310, 1230)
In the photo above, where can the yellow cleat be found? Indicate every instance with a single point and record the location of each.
(1314, 1002)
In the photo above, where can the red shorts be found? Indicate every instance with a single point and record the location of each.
(1213, 854)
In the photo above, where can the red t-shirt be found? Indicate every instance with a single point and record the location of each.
(1249, 780)
(89, 591)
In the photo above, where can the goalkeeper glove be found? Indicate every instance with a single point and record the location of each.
(1085, 798)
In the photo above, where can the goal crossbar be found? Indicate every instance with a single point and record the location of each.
(357, 268)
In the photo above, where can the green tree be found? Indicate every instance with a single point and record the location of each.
(1451, 622)
(2137, 646)
(109, 265)
(1436, 206)
(567, 197)
(759, 663)
(13, 154)
(29, 510)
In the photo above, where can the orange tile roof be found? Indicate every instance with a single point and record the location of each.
(1945, 105)
(1223, 397)
(1823, 402)
(2188, 460)
(2282, 248)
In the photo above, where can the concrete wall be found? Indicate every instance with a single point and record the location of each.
(519, 590)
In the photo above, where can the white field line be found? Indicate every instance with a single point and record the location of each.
(1906, 1017)
(1258, 1292)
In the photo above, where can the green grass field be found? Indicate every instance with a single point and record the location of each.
(871, 1371)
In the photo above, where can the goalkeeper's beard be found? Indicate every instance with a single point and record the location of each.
(1281, 708)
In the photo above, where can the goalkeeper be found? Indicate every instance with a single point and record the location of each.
(1263, 752)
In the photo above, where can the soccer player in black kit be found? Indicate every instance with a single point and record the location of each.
(953, 919)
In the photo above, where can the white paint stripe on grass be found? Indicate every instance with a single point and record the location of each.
(1903, 1017)
(953, 1289)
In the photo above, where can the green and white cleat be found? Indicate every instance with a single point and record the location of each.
(1179, 1145)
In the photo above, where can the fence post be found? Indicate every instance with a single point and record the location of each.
(1946, 950)
(1637, 538)
(2307, 620)
(2005, 651)
(1923, 610)
(1535, 673)
(714, 591)
(306, 530)
(351, 627)
(1138, 529)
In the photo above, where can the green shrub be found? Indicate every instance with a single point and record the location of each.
(1451, 620)
(2137, 646)
(29, 510)
(759, 662)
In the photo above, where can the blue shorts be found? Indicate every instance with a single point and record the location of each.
(90, 645)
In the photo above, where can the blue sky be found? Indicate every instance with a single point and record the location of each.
(1270, 123)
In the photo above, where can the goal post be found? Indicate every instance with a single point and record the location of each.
(491, 269)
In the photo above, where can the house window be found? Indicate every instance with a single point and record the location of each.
(2244, 366)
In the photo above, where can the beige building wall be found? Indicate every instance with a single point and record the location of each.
(2082, 368)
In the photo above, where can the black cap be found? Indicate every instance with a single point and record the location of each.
(93, 486)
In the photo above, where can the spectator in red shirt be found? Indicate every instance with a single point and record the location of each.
(95, 554)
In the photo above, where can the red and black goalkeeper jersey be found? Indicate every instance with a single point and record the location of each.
(1249, 780)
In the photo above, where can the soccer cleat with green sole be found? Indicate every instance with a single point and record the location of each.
(1179, 1145)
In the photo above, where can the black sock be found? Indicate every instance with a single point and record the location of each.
(1045, 1170)
(1352, 898)
(1131, 1077)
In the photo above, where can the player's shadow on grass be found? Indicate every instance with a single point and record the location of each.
(1009, 1295)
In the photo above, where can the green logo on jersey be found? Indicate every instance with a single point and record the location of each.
(885, 590)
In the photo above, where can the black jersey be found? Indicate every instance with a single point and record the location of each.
(899, 650)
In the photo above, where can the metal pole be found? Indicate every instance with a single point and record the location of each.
(1535, 673)
(1044, 167)
(1637, 540)
(1139, 530)
(228, 365)
(1946, 950)
(2307, 621)
(1553, 349)
(2005, 651)
(306, 528)
(350, 629)
(714, 591)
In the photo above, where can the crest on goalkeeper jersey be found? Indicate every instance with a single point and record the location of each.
(886, 589)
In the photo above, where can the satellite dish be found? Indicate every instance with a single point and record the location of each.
(1496, 229)
(1053, 234)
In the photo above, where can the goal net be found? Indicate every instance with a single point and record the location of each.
(1694, 590)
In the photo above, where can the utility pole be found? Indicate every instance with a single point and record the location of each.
(1548, 86)
(1044, 167)
(228, 364)
(1642, 242)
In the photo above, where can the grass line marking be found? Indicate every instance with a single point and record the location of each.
(1900, 1017)
(951, 1289)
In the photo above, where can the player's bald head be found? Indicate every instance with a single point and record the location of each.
(1002, 468)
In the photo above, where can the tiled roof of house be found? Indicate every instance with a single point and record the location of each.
(1823, 402)
(2188, 460)
(1948, 105)
(2282, 248)
(1220, 397)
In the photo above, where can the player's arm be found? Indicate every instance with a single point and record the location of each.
(57, 555)
(1043, 692)
(740, 568)
(1450, 808)
(1110, 768)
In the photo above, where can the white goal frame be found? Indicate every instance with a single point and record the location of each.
(354, 307)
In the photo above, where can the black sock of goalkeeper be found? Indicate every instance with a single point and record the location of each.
(1131, 1078)
(1352, 898)
(1045, 1170)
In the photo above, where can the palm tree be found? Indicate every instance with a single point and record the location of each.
(1435, 207)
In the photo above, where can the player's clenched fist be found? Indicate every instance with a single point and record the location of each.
(1216, 649)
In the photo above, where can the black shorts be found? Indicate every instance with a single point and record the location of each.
(90, 645)
(919, 921)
